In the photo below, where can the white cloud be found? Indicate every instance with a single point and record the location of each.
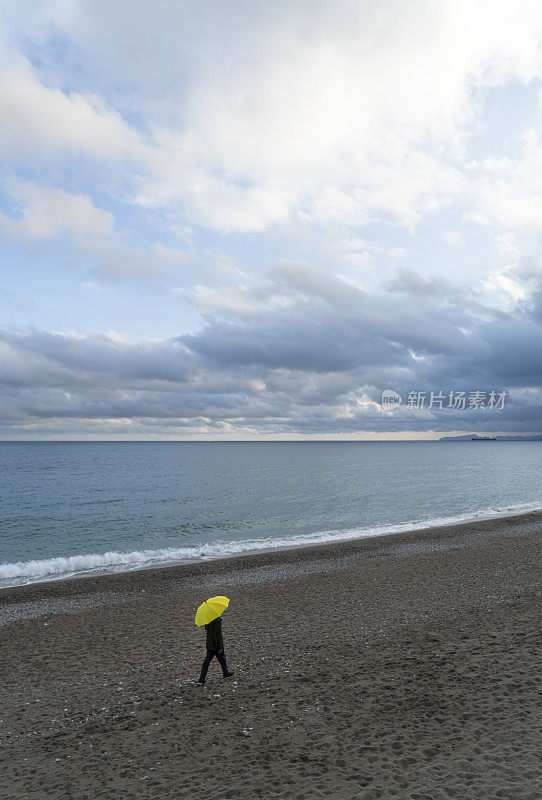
(351, 115)
(451, 236)
(46, 213)
(236, 299)
(115, 261)
(508, 191)
(333, 113)
(501, 281)
(509, 286)
(168, 255)
(40, 122)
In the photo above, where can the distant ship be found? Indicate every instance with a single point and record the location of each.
(483, 438)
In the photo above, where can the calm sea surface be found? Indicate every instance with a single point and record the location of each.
(75, 508)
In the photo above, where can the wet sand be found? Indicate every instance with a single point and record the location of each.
(395, 667)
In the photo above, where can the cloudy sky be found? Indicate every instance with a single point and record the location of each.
(239, 219)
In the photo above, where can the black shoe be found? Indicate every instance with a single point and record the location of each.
(201, 683)
(229, 674)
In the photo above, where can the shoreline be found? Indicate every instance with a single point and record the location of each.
(391, 530)
(253, 567)
(396, 667)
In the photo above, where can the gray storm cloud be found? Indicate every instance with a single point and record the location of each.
(313, 358)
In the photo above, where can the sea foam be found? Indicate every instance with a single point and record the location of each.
(25, 572)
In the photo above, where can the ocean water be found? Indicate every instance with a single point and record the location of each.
(77, 508)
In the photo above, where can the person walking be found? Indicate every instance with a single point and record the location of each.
(215, 647)
(214, 641)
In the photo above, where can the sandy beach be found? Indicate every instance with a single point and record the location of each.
(393, 667)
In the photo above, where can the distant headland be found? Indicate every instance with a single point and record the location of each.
(468, 437)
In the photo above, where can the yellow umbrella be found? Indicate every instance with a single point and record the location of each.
(211, 609)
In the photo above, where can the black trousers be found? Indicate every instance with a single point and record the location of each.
(207, 660)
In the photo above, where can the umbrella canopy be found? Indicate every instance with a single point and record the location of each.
(211, 609)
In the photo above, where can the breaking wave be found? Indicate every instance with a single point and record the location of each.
(25, 572)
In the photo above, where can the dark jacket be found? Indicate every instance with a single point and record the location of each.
(214, 635)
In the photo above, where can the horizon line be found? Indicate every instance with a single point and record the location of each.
(526, 436)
